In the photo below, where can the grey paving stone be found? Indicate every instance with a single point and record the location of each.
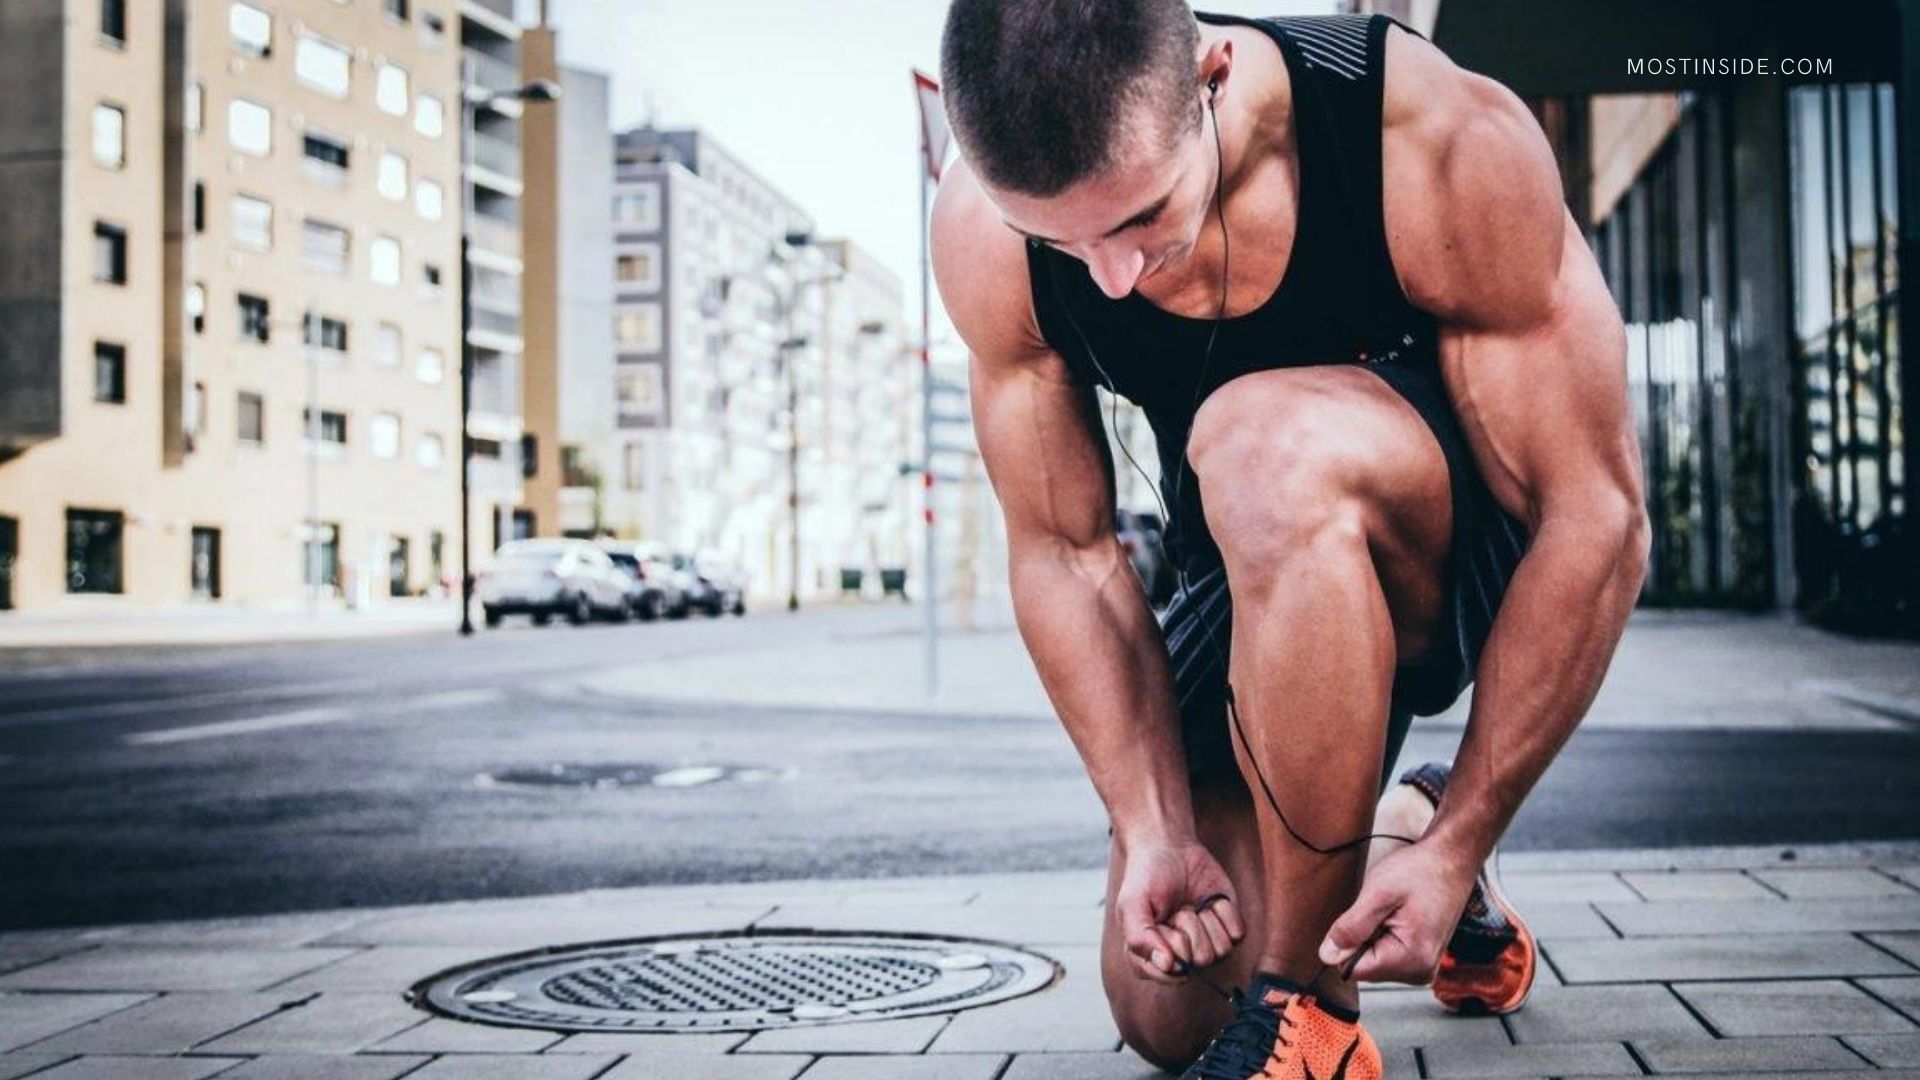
(17, 1065)
(1743, 1056)
(138, 1068)
(1110, 1066)
(1772, 956)
(1072, 1014)
(27, 1018)
(909, 1036)
(1824, 1074)
(1578, 886)
(282, 931)
(520, 928)
(1034, 926)
(485, 1067)
(943, 1067)
(1832, 883)
(335, 1022)
(1603, 1014)
(1902, 994)
(1675, 918)
(1888, 1051)
(610, 1042)
(16, 954)
(1805, 1007)
(1696, 885)
(1563, 920)
(1561, 1059)
(171, 1024)
(1905, 946)
(326, 1067)
(1908, 874)
(648, 1065)
(137, 967)
(1410, 1020)
(386, 967)
(443, 1036)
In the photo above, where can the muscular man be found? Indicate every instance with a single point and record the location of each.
(1388, 388)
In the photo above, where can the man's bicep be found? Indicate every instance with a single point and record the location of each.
(1041, 440)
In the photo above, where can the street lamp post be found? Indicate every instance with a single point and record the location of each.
(472, 101)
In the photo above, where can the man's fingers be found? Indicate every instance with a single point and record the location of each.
(1216, 932)
(1222, 907)
(1152, 953)
(1200, 947)
(1354, 929)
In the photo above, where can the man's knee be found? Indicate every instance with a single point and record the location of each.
(1278, 480)
(1169, 1038)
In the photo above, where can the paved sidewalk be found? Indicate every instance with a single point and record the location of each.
(1673, 670)
(86, 625)
(1711, 963)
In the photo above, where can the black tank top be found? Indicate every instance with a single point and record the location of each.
(1338, 303)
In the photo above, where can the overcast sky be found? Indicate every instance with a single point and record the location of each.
(814, 95)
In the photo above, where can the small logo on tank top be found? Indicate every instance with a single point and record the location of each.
(1365, 356)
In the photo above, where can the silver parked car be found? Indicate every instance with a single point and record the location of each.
(544, 578)
(657, 589)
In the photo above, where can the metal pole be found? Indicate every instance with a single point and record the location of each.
(466, 363)
(791, 352)
(926, 456)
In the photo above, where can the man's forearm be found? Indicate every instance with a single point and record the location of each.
(1542, 665)
(1097, 649)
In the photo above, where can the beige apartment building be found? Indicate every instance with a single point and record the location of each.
(229, 300)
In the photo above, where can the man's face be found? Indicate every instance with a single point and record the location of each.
(1135, 219)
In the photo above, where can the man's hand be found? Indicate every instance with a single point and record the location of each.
(1404, 915)
(1176, 906)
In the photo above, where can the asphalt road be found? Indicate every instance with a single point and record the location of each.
(149, 784)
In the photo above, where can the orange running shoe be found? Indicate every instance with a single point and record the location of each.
(1488, 965)
(1281, 1032)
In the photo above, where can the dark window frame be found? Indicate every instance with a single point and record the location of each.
(112, 390)
(116, 254)
(90, 570)
(245, 401)
(256, 317)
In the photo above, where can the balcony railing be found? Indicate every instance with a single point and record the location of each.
(497, 155)
(499, 237)
(491, 72)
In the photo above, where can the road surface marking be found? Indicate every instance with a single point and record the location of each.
(452, 699)
(301, 718)
(689, 776)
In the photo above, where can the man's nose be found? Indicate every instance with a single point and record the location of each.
(1117, 270)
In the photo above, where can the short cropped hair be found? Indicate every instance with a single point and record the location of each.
(1037, 91)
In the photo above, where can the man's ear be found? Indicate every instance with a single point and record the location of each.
(1215, 63)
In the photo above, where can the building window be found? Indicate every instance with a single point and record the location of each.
(94, 550)
(197, 306)
(323, 65)
(390, 91)
(639, 268)
(113, 21)
(250, 127)
(109, 253)
(386, 345)
(252, 29)
(429, 451)
(320, 555)
(430, 277)
(633, 467)
(195, 422)
(325, 248)
(251, 419)
(252, 223)
(199, 207)
(433, 22)
(327, 427)
(109, 136)
(196, 107)
(486, 449)
(396, 9)
(109, 373)
(429, 116)
(384, 260)
(325, 157)
(326, 332)
(253, 317)
(639, 208)
(205, 571)
(529, 455)
(391, 180)
(431, 367)
(383, 434)
(429, 201)
(638, 330)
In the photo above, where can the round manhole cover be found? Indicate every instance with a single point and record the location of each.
(734, 982)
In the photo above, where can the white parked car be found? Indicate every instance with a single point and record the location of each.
(544, 578)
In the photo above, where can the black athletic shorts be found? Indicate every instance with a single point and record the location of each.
(1487, 545)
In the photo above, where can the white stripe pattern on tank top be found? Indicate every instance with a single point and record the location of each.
(1335, 42)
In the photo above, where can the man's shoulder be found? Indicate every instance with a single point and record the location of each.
(981, 267)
